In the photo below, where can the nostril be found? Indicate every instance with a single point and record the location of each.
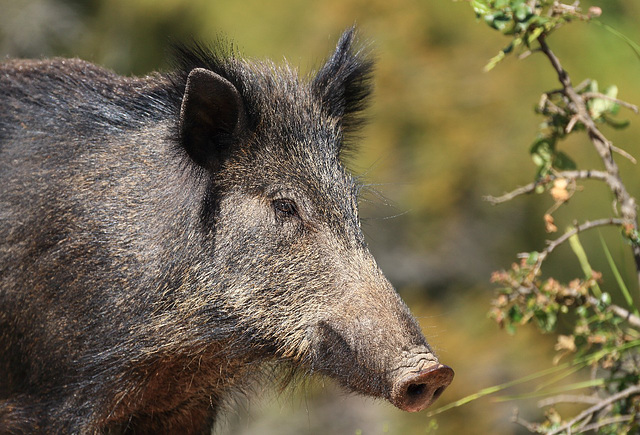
(415, 390)
(438, 392)
(418, 390)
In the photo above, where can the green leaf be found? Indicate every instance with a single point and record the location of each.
(501, 23)
(535, 34)
(582, 311)
(599, 106)
(618, 124)
(521, 12)
(480, 7)
(612, 92)
(563, 162)
(546, 320)
(494, 61)
(596, 107)
(542, 152)
(498, 20)
(533, 258)
(515, 314)
(539, 21)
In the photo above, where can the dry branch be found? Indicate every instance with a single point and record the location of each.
(531, 187)
(553, 244)
(577, 104)
(568, 398)
(606, 422)
(587, 413)
(592, 95)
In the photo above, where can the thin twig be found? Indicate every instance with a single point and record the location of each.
(584, 174)
(572, 123)
(531, 427)
(623, 153)
(582, 227)
(568, 398)
(553, 244)
(625, 314)
(582, 85)
(575, 175)
(551, 107)
(517, 192)
(606, 422)
(582, 424)
(602, 404)
(592, 95)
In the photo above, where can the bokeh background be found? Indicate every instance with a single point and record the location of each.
(442, 135)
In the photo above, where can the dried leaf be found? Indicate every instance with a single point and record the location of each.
(548, 222)
(559, 190)
(566, 342)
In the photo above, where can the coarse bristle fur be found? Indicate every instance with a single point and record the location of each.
(342, 86)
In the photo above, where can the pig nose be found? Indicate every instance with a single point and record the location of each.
(416, 391)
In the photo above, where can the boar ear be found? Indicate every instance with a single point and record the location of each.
(211, 117)
(343, 84)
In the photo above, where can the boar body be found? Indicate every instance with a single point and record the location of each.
(162, 238)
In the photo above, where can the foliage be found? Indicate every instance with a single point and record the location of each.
(596, 333)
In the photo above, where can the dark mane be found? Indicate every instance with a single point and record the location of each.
(78, 93)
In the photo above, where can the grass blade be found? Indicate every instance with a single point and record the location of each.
(581, 362)
(616, 274)
(574, 241)
(634, 46)
(560, 390)
(496, 388)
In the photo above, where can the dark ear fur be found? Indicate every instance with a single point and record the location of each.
(211, 117)
(343, 84)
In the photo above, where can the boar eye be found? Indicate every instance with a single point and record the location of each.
(285, 208)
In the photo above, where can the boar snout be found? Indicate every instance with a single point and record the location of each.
(410, 377)
(417, 390)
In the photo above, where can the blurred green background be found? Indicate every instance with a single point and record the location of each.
(442, 135)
